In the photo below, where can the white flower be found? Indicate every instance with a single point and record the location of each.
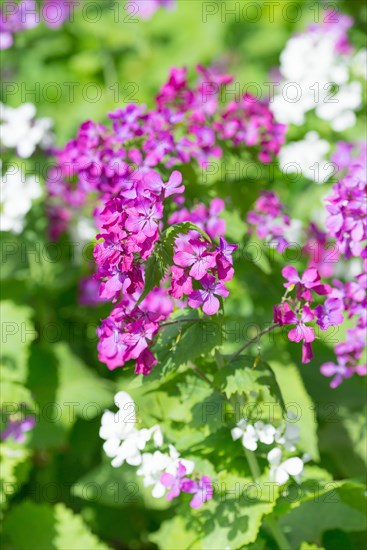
(151, 469)
(17, 192)
(280, 472)
(310, 65)
(340, 112)
(251, 434)
(123, 441)
(288, 436)
(19, 129)
(247, 433)
(307, 156)
(266, 432)
(174, 459)
(154, 464)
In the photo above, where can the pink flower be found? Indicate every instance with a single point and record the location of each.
(143, 219)
(145, 362)
(301, 331)
(154, 182)
(309, 280)
(196, 256)
(181, 282)
(203, 492)
(174, 483)
(206, 297)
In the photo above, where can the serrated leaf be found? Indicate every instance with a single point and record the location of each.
(31, 526)
(185, 343)
(254, 379)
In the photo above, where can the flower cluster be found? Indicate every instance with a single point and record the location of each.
(347, 205)
(17, 194)
(20, 130)
(188, 124)
(269, 220)
(308, 157)
(130, 224)
(285, 437)
(16, 17)
(351, 297)
(296, 309)
(316, 69)
(166, 472)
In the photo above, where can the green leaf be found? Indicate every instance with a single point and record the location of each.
(185, 342)
(162, 257)
(333, 510)
(14, 469)
(255, 379)
(177, 534)
(31, 526)
(117, 487)
(298, 401)
(14, 394)
(80, 391)
(17, 333)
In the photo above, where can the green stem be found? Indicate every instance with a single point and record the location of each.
(253, 341)
(277, 534)
(270, 522)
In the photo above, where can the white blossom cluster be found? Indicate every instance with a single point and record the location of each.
(307, 156)
(315, 75)
(20, 130)
(124, 442)
(17, 193)
(285, 437)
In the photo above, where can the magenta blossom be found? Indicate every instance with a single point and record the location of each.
(206, 297)
(143, 218)
(309, 280)
(174, 483)
(203, 490)
(195, 255)
(145, 363)
(301, 331)
(154, 182)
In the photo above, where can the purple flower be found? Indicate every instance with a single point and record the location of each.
(339, 371)
(206, 297)
(330, 314)
(143, 218)
(309, 280)
(175, 483)
(17, 429)
(195, 255)
(154, 182)
(301, 331)
(145, 363)
(203, 490)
